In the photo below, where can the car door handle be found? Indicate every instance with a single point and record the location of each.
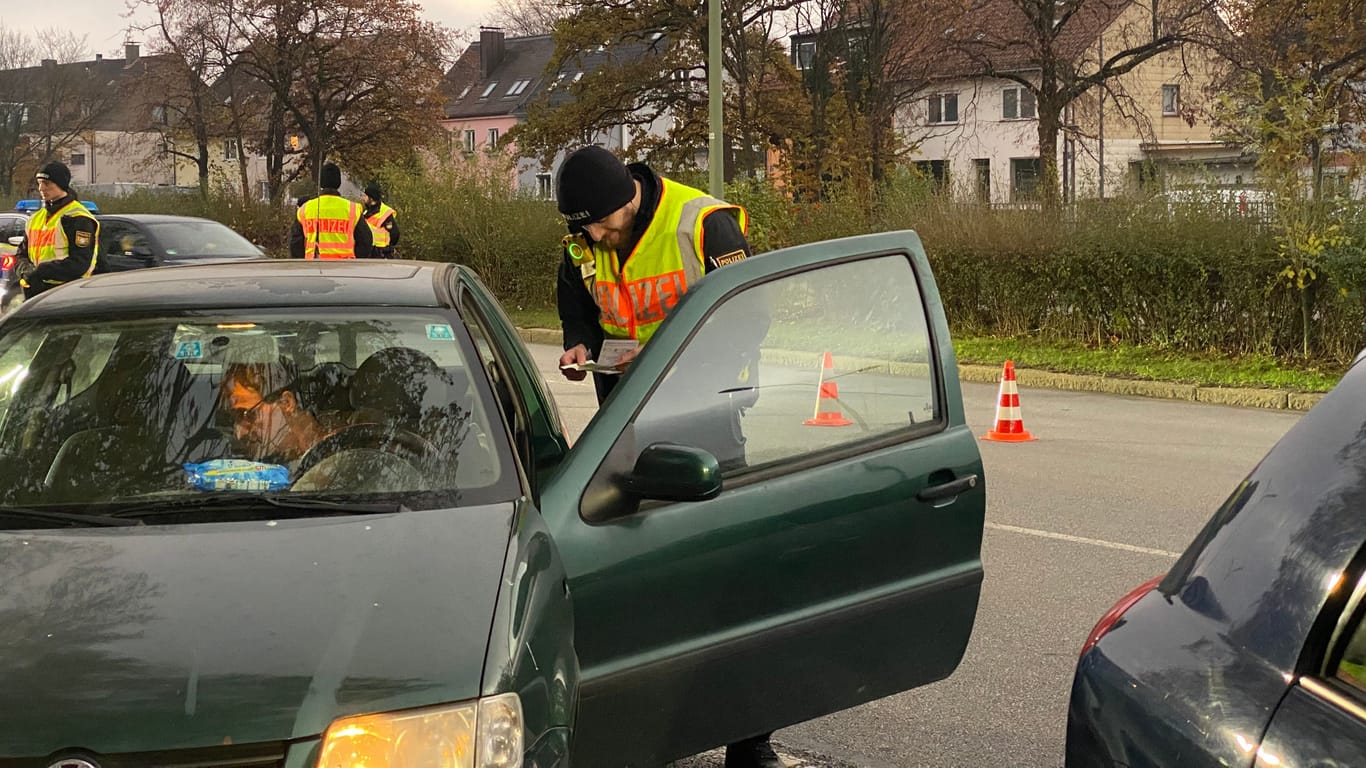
(945, 490)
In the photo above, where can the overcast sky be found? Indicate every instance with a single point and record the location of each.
(103, 22)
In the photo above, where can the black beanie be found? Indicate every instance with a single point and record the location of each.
(593, 183)
(373, 192)
(57, 173)
(330, 178)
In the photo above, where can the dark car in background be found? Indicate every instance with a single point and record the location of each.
(11, 226)
(1251, 650)
(136, 241)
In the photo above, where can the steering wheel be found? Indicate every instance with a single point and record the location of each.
(409, 446)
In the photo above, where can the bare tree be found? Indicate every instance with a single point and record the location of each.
(16, 52)
(526, 18)
(1048, 47)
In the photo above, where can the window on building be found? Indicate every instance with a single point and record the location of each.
(159, 114)
(469, 140)
(578, 76)
(463, 93)
(804, 55)
(1171, 100)
(943, 108)
(232, 149)
(493, 138)
(543, 186)
(493, 85)
(1018, 104)
(77, 158)
(982, 166)
(518, 87)
(1024, 178)
(935, 169)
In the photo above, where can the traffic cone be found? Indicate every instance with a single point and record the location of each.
(827, 390)
(1009, 425)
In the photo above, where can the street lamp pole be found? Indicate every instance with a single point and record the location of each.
(715, 153)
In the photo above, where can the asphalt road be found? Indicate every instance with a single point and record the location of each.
(1107, 497)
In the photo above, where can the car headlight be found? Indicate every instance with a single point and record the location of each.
(482, 734)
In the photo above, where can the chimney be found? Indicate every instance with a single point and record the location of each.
(99, 57)
(490, 50)
(49, 63)
(130, 52)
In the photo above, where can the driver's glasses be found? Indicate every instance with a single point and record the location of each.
(247, 416)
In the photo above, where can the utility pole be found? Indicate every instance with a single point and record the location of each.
(715, 153)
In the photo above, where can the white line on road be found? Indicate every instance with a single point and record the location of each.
(1083, 540)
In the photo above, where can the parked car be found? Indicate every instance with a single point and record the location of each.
(11, 232)
(515, 600)
(1251, 650)
(136, 241)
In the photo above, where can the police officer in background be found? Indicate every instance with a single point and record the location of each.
(382, 219)
(61, 239)
(629, 226)
(329, 226)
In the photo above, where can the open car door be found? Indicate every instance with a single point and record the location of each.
(778, 513)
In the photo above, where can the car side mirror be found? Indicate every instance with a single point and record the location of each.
(672, 472)
(142, 253)
(16, 241)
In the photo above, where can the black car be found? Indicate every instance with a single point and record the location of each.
(1251, 650)
(137, 241)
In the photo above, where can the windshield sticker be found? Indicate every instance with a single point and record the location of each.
(440, 332)
(189, 350)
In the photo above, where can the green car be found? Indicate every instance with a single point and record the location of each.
(301, 513)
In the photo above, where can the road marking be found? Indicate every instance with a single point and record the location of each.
(1084, 540)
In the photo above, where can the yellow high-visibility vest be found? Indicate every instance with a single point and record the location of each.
(376, 222)
(47, 240)
(634, 300)
(329, 224)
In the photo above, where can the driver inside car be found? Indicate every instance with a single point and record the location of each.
(273, 422)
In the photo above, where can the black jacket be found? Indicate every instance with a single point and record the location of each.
(364, 241)
(722, 243)
(82, 237)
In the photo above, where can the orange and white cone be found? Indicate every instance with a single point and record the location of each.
(827, 390)
(1009, 425)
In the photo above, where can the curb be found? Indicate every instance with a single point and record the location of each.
(1270, 399)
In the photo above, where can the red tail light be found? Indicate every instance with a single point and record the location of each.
(1116, 612)
(7, 261)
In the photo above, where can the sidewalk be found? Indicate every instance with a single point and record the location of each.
(1274, 399)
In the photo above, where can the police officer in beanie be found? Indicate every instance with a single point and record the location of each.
(624, 229)
(329, 226)
(61, 239)
(382, 219)
(637, 242)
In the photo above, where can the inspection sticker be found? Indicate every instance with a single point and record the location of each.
(440, 332)
(189, 350)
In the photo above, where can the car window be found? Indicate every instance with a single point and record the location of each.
(201, 237)
(1351, 665)
(10, 226)
(125, 410)
(803, 364)
(121, 238)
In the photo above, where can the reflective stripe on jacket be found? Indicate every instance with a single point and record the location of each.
(667, 259)
(377, 230)
(329, 224)
(47, 239)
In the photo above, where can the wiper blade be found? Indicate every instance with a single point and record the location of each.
(71, 518)
(247, 500)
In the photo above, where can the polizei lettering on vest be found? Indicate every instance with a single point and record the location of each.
(653, 297)
(327, 226)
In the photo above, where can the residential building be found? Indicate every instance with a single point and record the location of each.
(491, 87)
(979, 135)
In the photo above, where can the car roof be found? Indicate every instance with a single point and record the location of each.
(152, 218)
(264, 283)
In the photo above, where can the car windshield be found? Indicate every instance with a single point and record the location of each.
(200, 409)
(201, 238)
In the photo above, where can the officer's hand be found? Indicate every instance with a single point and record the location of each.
(23, 267)
(627, 357)
(577, 354)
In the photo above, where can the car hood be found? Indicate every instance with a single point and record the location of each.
(167, 637)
